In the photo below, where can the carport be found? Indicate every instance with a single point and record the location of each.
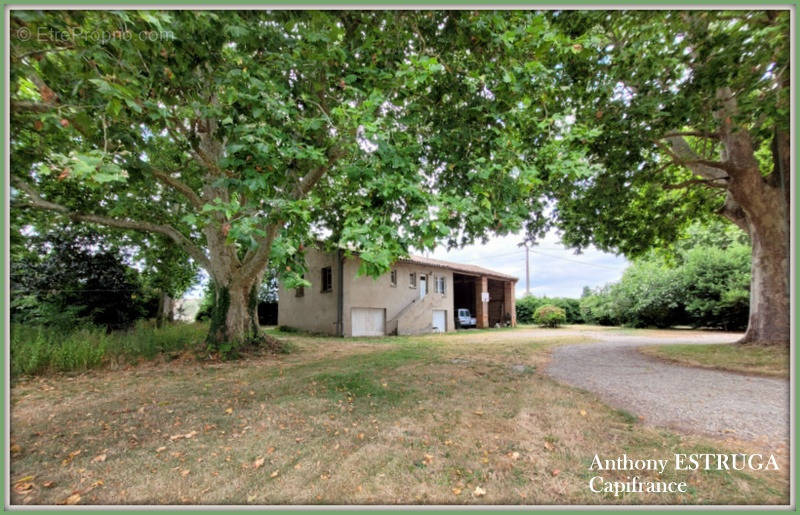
(489, 297)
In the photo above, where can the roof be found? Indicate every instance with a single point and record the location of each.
(456, 267)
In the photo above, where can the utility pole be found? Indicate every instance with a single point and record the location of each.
(527, 273)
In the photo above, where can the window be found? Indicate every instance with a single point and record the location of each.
(412, 280)
(300, 290)
(327, 279)
(393, 277)
(439, 286)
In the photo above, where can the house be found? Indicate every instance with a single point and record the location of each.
(418, 295)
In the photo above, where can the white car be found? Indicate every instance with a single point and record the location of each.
(465, 319)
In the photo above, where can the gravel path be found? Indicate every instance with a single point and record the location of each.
(691, 399)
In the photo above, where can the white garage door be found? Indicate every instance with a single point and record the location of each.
(368, 321)
(439, 320)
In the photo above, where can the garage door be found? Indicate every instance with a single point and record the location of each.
(368, 321)
(439, 320)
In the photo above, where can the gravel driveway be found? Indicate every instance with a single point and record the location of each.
(691, 399)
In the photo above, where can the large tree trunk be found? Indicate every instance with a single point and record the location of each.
(234, 317)
(769, 288)
(760, 205)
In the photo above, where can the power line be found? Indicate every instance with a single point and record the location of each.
(575, 261)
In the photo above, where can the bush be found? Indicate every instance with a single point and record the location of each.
(526, 307)
(73, 277)
(704, 285)
(549, 316)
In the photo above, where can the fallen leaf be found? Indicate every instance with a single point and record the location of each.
(229, 411)
(25, 479)
(298, 467)
(68, 459)
(274, 474)
(271, 450)
(72, 499)
(190, 434)
(555, 472)
(428, 459)
(360, 436)
(478, 412)
(15, 449)
(162, 448)
(514, 455)
(479, 492)
(185, 472)
(583, 412)
(49, 484)
(549, 446)
(251, 498)
(23, 487)
(100, 458)
(456, 491)
(258, 463)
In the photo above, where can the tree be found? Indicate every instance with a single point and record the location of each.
(682, 115)
(242, 136)
(75, 276)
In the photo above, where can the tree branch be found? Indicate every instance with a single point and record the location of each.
(704, 182)
(18, 106)
(697, 134)
(683, 154)
(180, 187)
(306, 183)
(37, 202)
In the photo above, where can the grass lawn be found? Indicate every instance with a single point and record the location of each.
(770, 361)
(461, 418)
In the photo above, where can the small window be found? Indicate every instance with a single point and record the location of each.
(327, 279)
(393, 277)
(412, 280)
(300, 290)
(440, 285)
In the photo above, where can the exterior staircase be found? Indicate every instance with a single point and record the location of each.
(414, 318)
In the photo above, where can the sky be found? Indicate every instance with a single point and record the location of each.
(555, 271)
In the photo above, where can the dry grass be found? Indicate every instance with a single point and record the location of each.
(769, 361)
(422, 420)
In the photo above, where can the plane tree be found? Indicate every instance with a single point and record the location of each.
(244, 136)
(683, 115)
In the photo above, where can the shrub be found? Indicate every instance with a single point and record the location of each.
(526, 307)
(549, 316)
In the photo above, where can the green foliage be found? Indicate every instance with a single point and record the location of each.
(71, 277)
(549, 316)
(40, 350)
(526, 307)
(598, 307)
(635, 77)
(704, 283)
(717, 286)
